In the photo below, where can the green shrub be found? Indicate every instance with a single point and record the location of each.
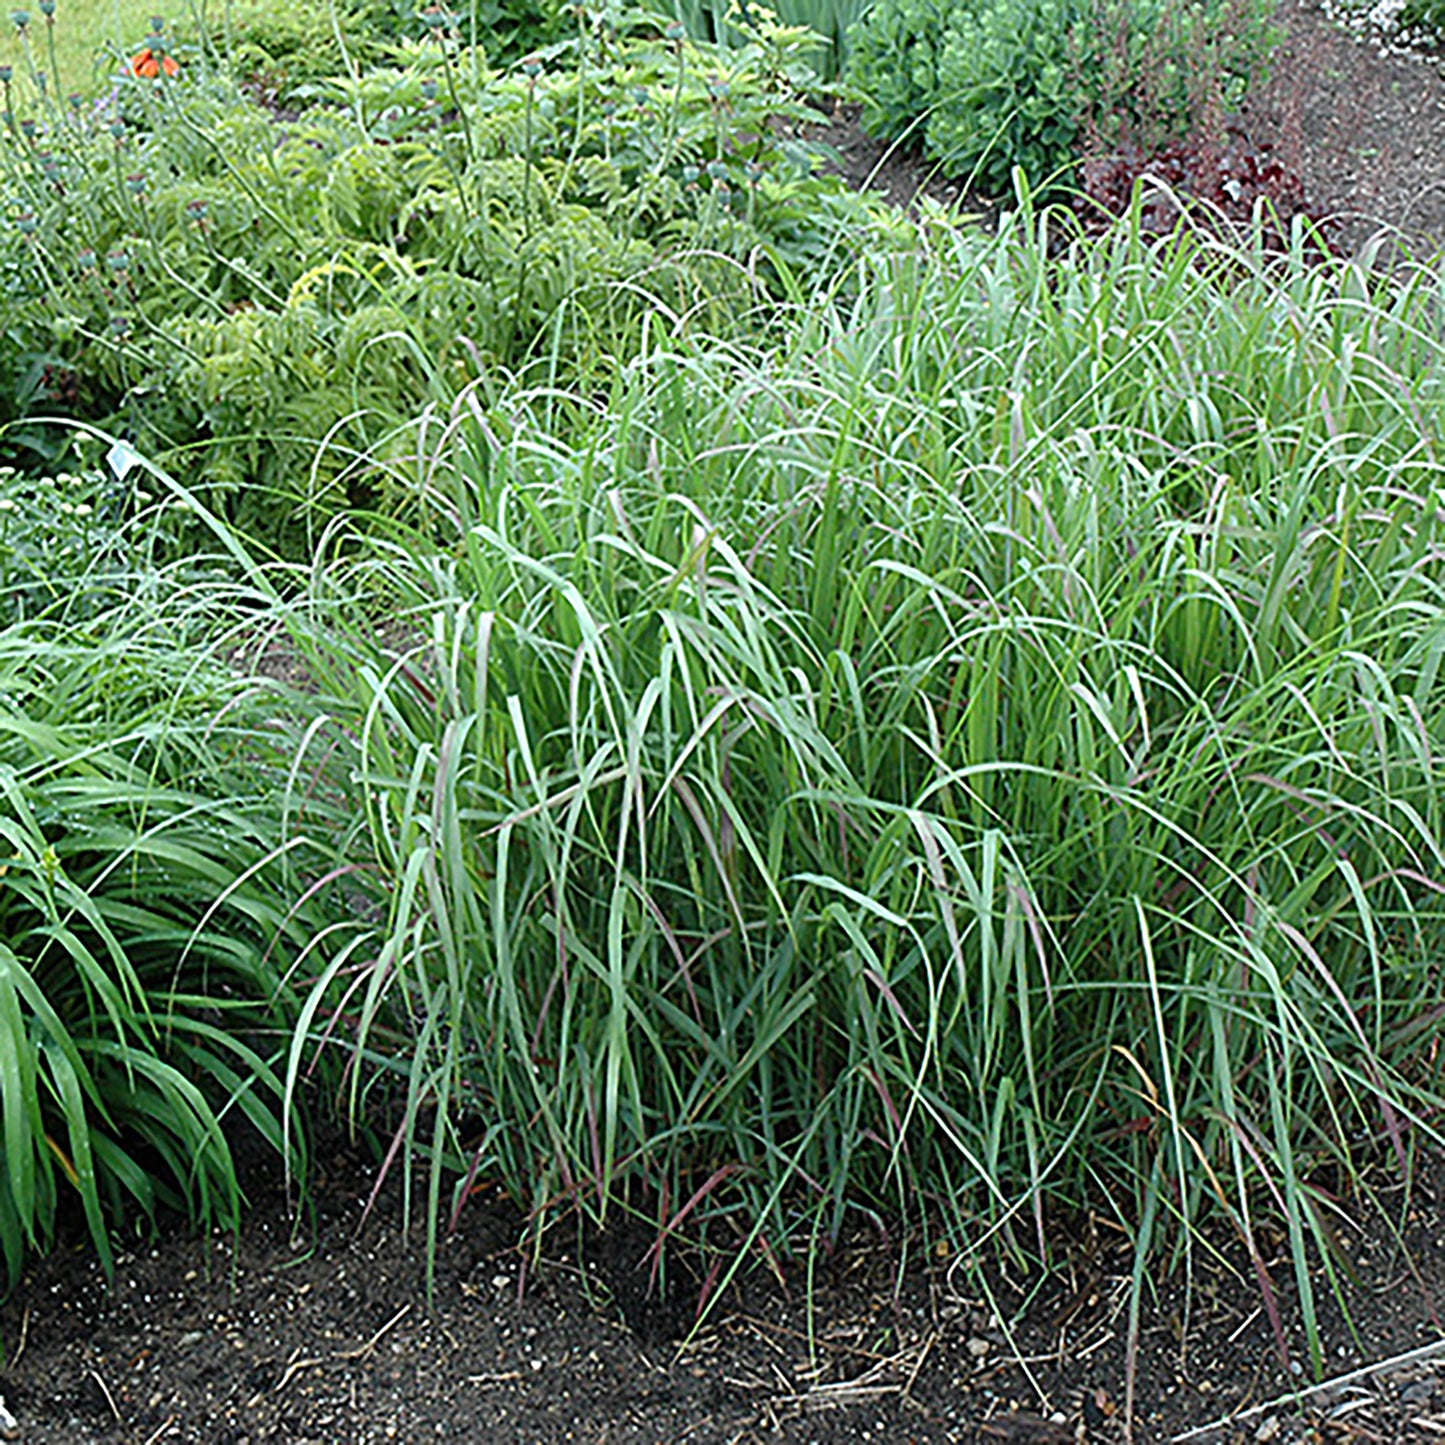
(894, 54)
(280, 52)
(1010, 94)
(292, 51)
(511, 29)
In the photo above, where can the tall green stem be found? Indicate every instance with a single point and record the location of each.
(678, 35)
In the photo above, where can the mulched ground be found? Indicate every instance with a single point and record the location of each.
(1364, 126)
(318, 1330)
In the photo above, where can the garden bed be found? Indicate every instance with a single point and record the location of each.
(1360, 123)
(322, 1329)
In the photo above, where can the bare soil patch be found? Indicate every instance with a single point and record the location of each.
(1365, 127)
(319, 1331)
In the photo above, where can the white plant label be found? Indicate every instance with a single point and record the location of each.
(121, 458)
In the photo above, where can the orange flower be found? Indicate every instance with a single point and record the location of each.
(148, 65)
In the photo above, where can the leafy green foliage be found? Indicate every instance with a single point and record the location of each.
(1008, 70)
(288, 46)
(511, 29)
(1425, 19)
(1023, 82)
(894, 53)
(65, 549)
(238, 290)
(141, 950)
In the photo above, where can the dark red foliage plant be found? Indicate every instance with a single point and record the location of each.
(1176, 137)
(1226, 181)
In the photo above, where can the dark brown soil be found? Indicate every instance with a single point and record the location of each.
(319, 1330)
(1366, 127)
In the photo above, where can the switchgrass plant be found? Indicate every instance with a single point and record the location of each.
(971, 760)
(147, 912)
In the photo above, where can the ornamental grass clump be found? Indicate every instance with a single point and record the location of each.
(147, 913)
(971, 758)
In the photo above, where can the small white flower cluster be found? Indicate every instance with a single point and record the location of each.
(1378, 20)
(18, 491)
